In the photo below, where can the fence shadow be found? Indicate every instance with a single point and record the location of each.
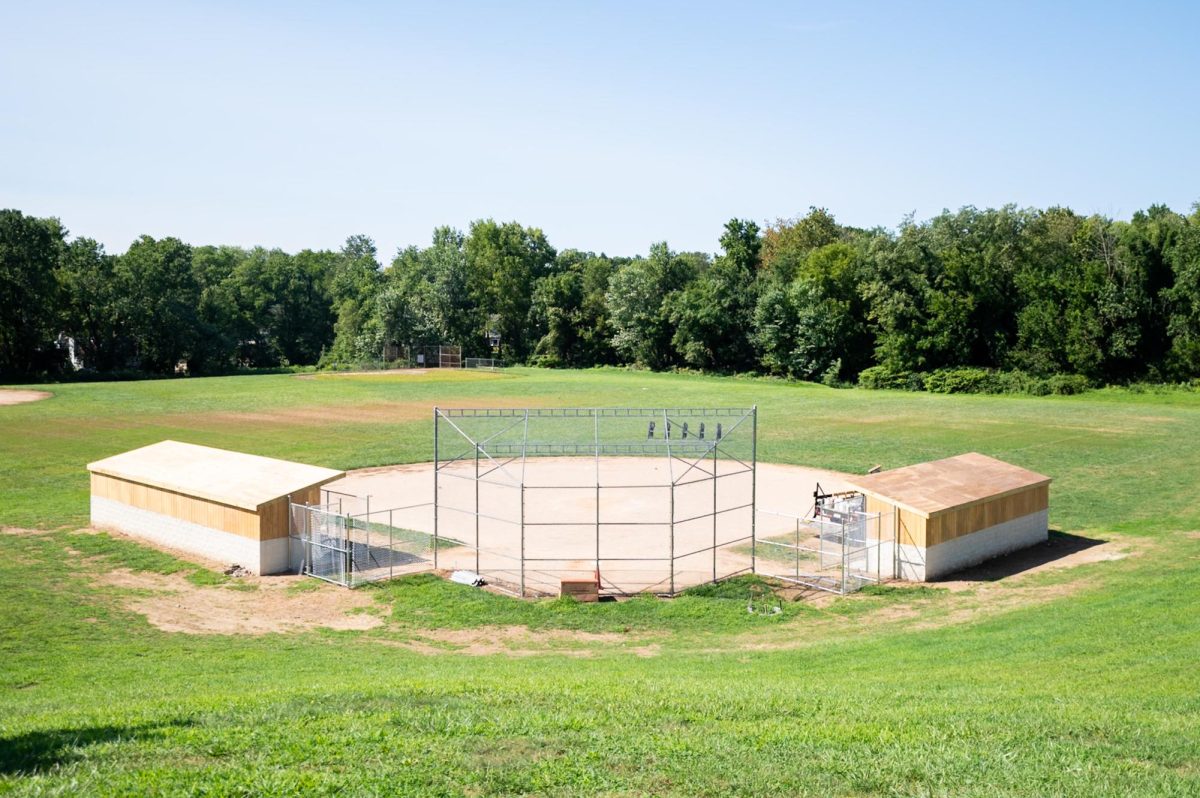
(1060, 545)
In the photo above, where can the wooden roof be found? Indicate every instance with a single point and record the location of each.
(233, 478)
(942, 485)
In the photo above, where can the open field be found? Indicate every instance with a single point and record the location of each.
(1048, 675)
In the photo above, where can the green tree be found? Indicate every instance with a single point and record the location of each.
(90, 309)
(353, 287)
(713, 315)
(815, 327)
(787, 242)
(638, 300)
(29, 253)
(570, 313)
(158, 300)
(1183, 297)
(504, 262)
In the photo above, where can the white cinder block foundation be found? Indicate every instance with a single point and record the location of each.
(922, 564)
(265, 557)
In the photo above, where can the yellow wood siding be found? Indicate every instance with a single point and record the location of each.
(275, 519)
(909, 527)
(961, 521)
(176, 505)
(915, 530)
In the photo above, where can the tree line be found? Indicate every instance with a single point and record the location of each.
(1019, 291)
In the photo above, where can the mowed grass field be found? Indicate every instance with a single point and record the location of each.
(1067, 681)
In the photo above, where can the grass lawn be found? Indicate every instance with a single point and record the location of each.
(1077, 682)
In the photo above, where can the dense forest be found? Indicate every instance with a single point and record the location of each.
(997, 299)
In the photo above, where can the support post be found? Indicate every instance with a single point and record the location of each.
(476, 508)
(753, 488)
(435, 488)
(843, 555)
(306, 565)
(596, 441)
(714, 481)
(672, 537)
(797, 549)
(391, 547)
(522, 539)
(347, 552)
(896, 543)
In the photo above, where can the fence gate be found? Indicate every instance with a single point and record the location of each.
(838, 555)
(325, 548)
(342, 540)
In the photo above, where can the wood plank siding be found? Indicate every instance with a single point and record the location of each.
(959, 521)
(176, 505)
(913, 529)
(268, 522)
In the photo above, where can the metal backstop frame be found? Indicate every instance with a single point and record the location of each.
(706, 473)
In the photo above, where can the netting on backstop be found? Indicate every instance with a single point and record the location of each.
(639, 499)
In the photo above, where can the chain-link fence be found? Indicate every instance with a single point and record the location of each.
(637, 499)
(343, 540)
(838, 554)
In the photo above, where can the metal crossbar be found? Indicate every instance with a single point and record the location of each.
(588, 412)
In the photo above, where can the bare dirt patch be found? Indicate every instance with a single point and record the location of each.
(987, 590)
(173, 604)
(319, 415)
(16, 530)
(520, 641)
(13, 396)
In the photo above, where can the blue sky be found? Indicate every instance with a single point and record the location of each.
(608, 125)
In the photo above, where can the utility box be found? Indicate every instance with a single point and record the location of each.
(587, 590)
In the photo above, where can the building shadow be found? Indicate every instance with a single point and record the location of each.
(39, 751)
(1059, 545)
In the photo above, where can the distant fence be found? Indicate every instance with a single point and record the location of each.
(486, 363)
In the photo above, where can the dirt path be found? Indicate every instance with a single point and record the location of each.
(521, 641)
(13, 396)
(248, 606)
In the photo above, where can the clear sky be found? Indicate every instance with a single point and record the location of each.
(608, 125)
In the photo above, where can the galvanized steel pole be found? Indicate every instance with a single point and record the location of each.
(435, 488)
(522, 539)
(753, 488)
(476, 508)
(714, 481)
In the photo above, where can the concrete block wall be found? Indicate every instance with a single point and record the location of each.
(922, 564)
(260, 557)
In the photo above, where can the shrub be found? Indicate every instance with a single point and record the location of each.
(1067, 384)
(881, 377)
(962, 380)
(970, 379)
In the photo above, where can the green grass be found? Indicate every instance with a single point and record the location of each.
(426, 601)
(1091, 690)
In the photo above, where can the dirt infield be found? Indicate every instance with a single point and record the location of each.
(560, 505)
(13, 396)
